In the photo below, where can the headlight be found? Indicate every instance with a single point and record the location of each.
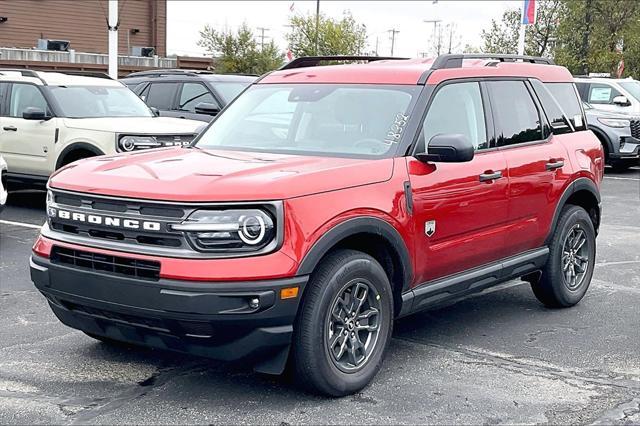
(130, 143)
(615, 122)
(242, 230)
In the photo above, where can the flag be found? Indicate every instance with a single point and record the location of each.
(620, 68)
(289, 55)
(529, 12)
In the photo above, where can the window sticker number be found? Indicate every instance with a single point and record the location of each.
(397, 127)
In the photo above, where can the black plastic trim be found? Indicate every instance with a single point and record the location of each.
(408, 195)
(575, 186)
(435, 292)
(73, 147)
(354, 226)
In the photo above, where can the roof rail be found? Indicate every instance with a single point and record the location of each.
(455, 60)
(95, 74)
(24, 73)
(314, 61)
(171, 71)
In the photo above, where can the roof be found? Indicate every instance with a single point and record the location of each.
(414, 71)
(180, 74)
(55, 78)
(583, 78)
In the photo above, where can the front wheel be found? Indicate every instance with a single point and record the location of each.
(572, 253)
(344, 325)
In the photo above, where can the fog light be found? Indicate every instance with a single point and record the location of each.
(254, 303)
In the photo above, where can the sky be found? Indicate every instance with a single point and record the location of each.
(415, 37)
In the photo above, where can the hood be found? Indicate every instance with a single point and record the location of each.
(136, 125)
(195, 175)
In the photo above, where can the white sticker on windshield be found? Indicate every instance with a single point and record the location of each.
(577, 120)
(600, 94)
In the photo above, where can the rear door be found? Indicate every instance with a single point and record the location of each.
(537, 162)
(459, 210)
(161, 95)
(26, 144)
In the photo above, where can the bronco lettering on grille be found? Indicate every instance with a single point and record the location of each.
(115, 222)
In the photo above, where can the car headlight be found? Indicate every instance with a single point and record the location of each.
(130, 143)
(615, 122)
(229, 231)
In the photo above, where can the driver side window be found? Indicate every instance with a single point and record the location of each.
(456, 108)
(25, 96)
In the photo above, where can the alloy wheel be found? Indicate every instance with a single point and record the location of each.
(575, 257)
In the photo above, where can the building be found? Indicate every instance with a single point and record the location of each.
(83, 23)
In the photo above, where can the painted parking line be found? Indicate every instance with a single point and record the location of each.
(621, 178)
(24, 225)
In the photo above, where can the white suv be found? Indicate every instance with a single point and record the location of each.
(610, 94)
(49, 119)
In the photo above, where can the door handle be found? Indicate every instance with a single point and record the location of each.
(10, 128)
(554, 164)
(490, 175)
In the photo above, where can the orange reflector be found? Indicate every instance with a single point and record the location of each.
(289, 293)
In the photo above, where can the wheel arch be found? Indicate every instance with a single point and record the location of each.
(373, 236)
(581, 192)
(606, 142)
(74, 147)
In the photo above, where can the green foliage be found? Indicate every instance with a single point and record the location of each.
(239, 52)
(335, 37)
(592, 32)
(502, 36)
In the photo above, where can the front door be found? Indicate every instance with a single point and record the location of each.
(460, 209)
(26, 144)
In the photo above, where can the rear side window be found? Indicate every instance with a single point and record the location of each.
(602, 93)
(161, 95)
(515, 113)
(565, 95)
(457, 108)
(193, 94)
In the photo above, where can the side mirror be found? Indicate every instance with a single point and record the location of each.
(155, 111)
(448, 148)
(207, 108)
(621, 101)
(34, 113)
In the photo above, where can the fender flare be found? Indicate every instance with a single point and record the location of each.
(579, 184)
(358, 225)
(73, 147)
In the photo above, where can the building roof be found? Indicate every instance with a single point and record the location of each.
(414, 71)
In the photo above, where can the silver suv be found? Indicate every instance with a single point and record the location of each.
(610, 94)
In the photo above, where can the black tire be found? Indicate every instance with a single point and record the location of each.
(554, 288)
(340, 274)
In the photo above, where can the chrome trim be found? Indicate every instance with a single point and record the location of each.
(189, 208)
(205, 227)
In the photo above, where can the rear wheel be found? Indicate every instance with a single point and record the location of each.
(567, 274)
(344, 325)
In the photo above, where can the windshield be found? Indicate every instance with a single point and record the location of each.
(229, 91)
(314, 119)
(633, 87)
(99, 101)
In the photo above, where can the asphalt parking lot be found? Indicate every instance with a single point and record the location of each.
(496, 357)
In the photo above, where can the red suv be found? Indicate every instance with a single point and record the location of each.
(322, 204)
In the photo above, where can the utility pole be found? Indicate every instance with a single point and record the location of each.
(262, 36)
(393, 32)
(435, 23)
(450, 36)
(112, 26)
(376, 45)
(585, 38)
(317, 23)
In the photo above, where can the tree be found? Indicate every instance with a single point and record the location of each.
(502, 36)
(239, 52)
(334, 37)
(595, 34)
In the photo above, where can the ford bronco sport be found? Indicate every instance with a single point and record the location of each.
(50, 119)
(324, 202)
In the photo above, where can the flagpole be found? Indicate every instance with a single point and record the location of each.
(522, 30)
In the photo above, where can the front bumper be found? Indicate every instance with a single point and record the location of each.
(211, 319)
(629, 149)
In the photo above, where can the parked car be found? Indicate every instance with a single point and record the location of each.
(49, 119)
(611, 94)
(3, 183)
(324, 203)
(619, 134)
(197, 95)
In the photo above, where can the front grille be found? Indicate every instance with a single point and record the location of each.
(123, 266)
(124, 209)
(635, 128)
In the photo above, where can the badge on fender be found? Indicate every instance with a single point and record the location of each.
(430, 227)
